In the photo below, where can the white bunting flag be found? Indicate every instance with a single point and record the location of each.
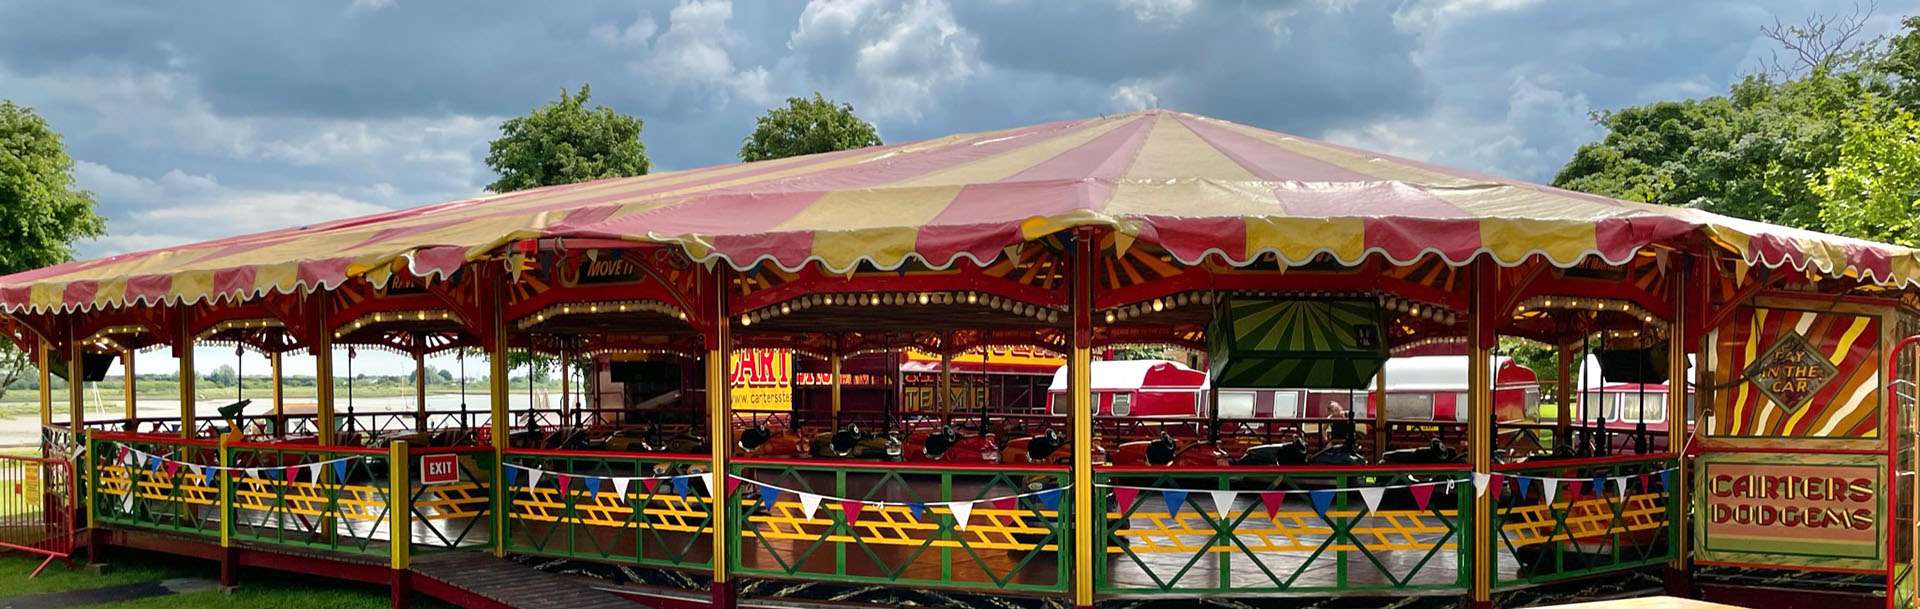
(313, 473)
(808, 503)
(1549, 487)
(620, 486)
(712, 480)
(1223, 502)
(197, 471)
(533, 477)
(962, 512)
(1371, 495)
(1621, 483)
(1480, 483)
(253, 473)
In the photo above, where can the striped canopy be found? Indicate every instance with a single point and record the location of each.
(1195, 186)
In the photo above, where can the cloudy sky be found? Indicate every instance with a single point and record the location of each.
(194, 120)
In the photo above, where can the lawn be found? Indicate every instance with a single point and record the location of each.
(258, 588)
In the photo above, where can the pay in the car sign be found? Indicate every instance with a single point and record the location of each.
(439, 469)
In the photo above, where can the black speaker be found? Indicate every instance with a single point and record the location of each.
(93, 366)
(1647, 365)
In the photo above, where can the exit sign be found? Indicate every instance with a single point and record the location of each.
(439, 469)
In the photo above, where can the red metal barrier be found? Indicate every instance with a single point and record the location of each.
(37, 505)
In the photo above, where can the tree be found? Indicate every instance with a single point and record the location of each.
(1872, 189)
(1752, 152)
(806, 126)
(565, 142)
(224, 376)
(41, 213)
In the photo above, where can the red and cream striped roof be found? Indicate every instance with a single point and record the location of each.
(1196, 186)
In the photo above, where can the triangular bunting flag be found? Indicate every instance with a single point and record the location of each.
(768, 495)
(510, 475)
(173, 469)
(593, 486)
(710, 480)
(1173, 499)
(1005, 503)
(733, 484)
(1322, 499)
(1549, 488)
(1422, 494)
(1666, 479)
(1124, 496)
(124, 451)
(339, 471)
(1523, 484)
(917, 510)
(563, 481)
(1621, 484)
(620, 486)
(1272, 501)
(1370, 495)
(1644, 481)
(1049, 498)
(962, 512)
(1480, 483)
(649, 484)
(850, 510)
(197, 472)
(153, 464)
(1223, 502)
(313, 473)
(253, 473)
(533, 477)
(680, 486)
(809, 502)
(1599, 487)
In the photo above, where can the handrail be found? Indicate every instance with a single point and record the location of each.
(1585, 462)
(605, 454)
(1279, 469)
(897, 465)
(156, 438)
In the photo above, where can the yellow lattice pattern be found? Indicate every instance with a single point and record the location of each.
(662, 512)
(1586, 518)
(1190, 532)
(349, 501)
(987, 529)
(195, 490)
(454, 500)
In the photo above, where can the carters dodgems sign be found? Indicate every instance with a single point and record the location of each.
(1800, 511)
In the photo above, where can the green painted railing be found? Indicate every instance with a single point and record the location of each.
(131, 490)
(332, 498)
(903, 529)
(617, 507)
(1582, 532)
(1255, 530)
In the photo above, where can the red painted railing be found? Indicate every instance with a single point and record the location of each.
(37, 506)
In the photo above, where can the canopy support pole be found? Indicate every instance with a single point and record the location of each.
(946, 378)
(321, 345)
(833, 391)
(131, 408)
(1382, 436)
(1480, 340)
(279, 396)
(1677, 333)
(566, 385)
(76, 372)
(419, 385)
(719, 344)
(494, 338)
(44, 360)
(1563, 394)
(183, 350)
(1079, 379)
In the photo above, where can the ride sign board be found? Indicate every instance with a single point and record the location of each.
(1792, 510)
(439, 469)
(762, 380)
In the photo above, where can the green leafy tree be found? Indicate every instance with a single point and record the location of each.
(41, 212)
(224, 376)
(1872, 189)
(806, 126)
(565, 142)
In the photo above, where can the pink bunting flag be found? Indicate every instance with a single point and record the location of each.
(851, 509)
(649, 484)
(732, 484)
(1422, 494)
(1645, 483)
(1125, 496)
(173, 468)
(564, 481)
(1272, 501)
(124, 451)
(1006, 503)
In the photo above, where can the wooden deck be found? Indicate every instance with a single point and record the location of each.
(508, 583)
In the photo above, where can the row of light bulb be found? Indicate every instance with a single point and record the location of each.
(391, 316)
(592, 308)
(878, 299)
(1589, 304)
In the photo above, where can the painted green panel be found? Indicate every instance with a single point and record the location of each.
(1296, 343)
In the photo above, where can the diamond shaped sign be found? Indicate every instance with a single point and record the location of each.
(1790, 372)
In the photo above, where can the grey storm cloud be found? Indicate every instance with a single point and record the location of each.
(195, 120)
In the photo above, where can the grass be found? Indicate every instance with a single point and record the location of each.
(20, 451)
(258, 588)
